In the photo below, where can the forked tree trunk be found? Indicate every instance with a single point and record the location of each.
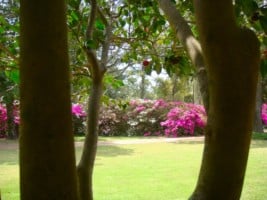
(46, 146)
(86, 165)
(97, 69)
(232, 66)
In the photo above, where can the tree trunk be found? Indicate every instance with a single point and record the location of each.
(174, 87)
(232, 66)
(192, 46)
(86, 164)
(142, 84)
(47, 158)
(197, 93)
(258, 126)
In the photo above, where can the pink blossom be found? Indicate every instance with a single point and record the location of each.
(77, 110)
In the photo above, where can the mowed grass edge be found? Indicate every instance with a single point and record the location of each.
(158, 171)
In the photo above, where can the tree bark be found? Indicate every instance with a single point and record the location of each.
(197, 94)
(86, 164)
(232, 66)
(46, 145)
(97, 69)
(192, 46)
(258, 126)
(142, 84)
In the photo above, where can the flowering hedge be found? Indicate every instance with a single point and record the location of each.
(139, 118)
(152, 117)
(78, 117)
(3, 120)
(264, 113)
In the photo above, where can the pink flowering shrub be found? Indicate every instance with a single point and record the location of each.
(145, 117)
(113, 119)
(264, 113)
(3, 120)
(185, 120)
(152, 118)
(78, 119)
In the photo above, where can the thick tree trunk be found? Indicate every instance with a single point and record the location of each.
(47, 158)
(232, 66)
(86, 164)
(258, 126)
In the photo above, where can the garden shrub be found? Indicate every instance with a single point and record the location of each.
(78, 119)
(264, 114)
(185, 119)
(113, 119)
(145, 117)
(138, 118)
(152, 118)
(3, 120)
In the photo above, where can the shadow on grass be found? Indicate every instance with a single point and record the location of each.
(109, 151)
(113, 151)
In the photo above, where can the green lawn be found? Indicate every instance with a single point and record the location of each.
(158, 171)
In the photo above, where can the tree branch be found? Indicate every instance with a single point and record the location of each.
(6, 50)
(191, 44)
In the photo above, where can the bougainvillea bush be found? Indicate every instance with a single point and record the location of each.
(185, 120)
(113, 119)
(152, 118)
(144, 117)
(264, 114)
(3, 120)
(78, 117)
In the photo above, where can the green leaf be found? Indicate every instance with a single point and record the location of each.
(249, 7)
(99, 25)
(148, 69)
(263, 22)
(91, 44)
(263, 68)
(13, 76)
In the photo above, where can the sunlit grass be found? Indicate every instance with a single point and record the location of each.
(158, 171)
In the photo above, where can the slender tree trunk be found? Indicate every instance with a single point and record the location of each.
(142, 84)
(232, 66)
(197, 94)
(258, 126)
(174, 87)
(86, 164)
(46, 145)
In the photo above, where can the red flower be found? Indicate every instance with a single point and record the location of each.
(145, 63)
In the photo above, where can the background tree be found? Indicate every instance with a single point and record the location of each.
(46, 146)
